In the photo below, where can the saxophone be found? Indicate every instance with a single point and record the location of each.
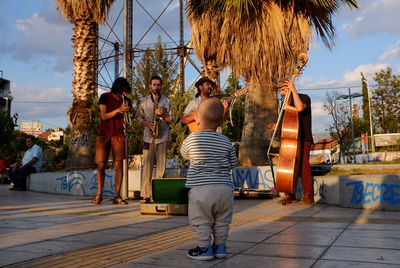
(156, 118)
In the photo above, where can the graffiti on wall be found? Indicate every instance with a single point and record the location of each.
(78, 183)
(366, 192)
(260, 178)
(108, 184)
(253, 177)
(73, 181)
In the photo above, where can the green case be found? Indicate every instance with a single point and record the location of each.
(170, 191)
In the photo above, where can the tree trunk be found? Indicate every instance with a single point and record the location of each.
(211, 71)
(260, 110)
(80, 115)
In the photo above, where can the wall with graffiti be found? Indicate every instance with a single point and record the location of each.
(260, 179)
(356, 191)
(82, 183)
(371, 191)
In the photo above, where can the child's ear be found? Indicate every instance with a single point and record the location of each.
(196, 117)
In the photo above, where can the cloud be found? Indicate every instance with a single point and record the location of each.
(379, 16)
(38, 36)
(391, 52)
(43, 42)
(350, 78)
(25, 97)
(314, 43)
(368, 70)
(318, 109)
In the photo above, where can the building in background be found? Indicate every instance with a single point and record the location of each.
(324, 151)
(5, 95)
(31, 128)
(55, 134)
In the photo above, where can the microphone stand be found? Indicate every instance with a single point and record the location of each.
(125, 180)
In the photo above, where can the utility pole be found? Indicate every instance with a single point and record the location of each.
(350, 96)
(182, 49)
(116, 58)
(352, 126)
(370, 118)
(127, 70)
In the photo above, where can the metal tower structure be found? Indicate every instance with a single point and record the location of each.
(116, 39)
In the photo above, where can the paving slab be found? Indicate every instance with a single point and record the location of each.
(288, 251)
(304, 238)
(8, 257)
(240, 261)
(373, 255)
(371, 226)
(347, 264)
(368, 242)
(172, 258)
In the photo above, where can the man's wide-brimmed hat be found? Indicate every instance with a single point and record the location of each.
(203, 80)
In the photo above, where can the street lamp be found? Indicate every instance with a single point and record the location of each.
(370, 116)
(351, 96)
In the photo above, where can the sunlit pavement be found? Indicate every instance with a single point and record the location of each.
(47, 230)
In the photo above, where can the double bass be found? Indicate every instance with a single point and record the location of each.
(289, 151)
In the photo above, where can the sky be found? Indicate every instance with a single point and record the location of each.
(36, 53)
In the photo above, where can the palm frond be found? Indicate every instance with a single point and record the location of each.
(74, 9)
(318, 12)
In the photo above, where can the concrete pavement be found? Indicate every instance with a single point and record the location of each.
(48, 230)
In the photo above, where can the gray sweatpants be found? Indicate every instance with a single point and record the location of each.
(210, 212)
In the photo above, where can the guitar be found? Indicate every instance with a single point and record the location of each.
(193, 127)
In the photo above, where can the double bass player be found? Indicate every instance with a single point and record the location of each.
(302, 103)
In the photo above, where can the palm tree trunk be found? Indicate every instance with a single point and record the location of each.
(80, 115)
(211, 71)
(260, 110)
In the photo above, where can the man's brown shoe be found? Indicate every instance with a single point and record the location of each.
(144, 200)
(308, 200)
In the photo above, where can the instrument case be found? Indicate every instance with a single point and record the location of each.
(170, 197)
(163, 209)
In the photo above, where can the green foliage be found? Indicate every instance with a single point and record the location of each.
(94, 127)
(179, 131)
(234, 133)
(360, 127)
(154, 62)
(135, 138)
(385, 102)
(9, 139)
(365, 103)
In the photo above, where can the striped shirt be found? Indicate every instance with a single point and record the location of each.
(212, 157)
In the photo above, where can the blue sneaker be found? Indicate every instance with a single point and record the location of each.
(219, 251)
(201, 254)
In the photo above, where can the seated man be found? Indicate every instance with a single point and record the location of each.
(31, 163)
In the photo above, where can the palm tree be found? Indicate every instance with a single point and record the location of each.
(205, 31)
(85, 15)
(260, 40)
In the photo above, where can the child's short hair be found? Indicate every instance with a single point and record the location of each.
(212, 112)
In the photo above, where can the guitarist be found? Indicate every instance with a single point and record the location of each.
(204, 88)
